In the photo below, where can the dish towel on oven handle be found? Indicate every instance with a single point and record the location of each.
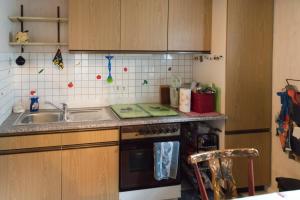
(166, 156)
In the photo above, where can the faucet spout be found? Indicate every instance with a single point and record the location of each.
(64, 109)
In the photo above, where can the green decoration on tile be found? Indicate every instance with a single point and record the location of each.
(145, 82)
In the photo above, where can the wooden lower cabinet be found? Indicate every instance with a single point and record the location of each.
(262, 165)
(31, 176)
(90, 174)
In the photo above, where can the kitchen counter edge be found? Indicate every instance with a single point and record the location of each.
(8, 129)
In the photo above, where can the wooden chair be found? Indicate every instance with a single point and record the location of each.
(220, 164)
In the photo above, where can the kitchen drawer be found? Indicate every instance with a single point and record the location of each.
(30, 141)
(90, 137)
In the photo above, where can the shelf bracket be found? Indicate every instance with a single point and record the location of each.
(58, 25)
(22, 26)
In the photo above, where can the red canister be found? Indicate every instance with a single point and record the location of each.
(203, 102)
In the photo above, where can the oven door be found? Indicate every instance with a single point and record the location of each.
(137, 165)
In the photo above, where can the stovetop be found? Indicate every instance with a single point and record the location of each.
(128, 111)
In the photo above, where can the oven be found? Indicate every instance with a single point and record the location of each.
(136, 155)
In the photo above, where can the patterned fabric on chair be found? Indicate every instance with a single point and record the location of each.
(220, 163)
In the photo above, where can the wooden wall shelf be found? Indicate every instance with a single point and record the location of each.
(38, 44)
(37, 19)
(21, 19)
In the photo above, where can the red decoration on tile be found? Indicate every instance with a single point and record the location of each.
(70, 85)
(98, 77)
(125, 69)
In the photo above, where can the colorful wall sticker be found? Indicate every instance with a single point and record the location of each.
(70, 85)
(109, 78)
(98, 77)
(145, 82)
(41, 71)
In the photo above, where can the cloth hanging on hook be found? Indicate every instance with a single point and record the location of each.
(284, 123)
(289, 114)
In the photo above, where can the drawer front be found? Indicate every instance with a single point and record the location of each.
(30, 141)
(90, 137)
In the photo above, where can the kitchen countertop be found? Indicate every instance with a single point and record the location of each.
(9, 129)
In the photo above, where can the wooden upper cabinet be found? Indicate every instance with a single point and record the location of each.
(144, 25)
(94, 24)
(190, 25)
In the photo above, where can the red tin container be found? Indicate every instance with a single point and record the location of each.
(203, 103)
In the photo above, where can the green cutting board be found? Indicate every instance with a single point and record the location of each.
(158, 110)
(128, 111)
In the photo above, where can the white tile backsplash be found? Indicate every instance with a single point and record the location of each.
(82, 71)
(6, 87)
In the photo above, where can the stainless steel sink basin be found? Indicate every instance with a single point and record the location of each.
(39, 118)
(74, 115)
(82, 115)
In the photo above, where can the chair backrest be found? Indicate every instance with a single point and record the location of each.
(220, 163)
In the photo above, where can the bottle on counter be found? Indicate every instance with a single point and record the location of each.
(34, 102)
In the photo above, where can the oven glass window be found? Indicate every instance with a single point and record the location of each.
(140, 160)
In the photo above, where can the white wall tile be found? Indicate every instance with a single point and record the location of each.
(82, 69)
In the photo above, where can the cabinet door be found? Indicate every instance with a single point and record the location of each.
(94, 24)
(144, 25)
(249, 64)
(90, 174)
(262, 165)
(31, 176)
(190, 25)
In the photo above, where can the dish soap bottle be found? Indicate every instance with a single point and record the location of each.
(34, 102)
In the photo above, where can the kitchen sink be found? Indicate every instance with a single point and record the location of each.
(82, 115)
(39, 118)
(74, 115)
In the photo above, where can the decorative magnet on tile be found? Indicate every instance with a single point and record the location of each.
(70, 85)
(98, 77)
(145, 82)
(41, 71)
(125, 69)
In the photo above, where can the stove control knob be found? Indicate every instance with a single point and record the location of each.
(155, 130)
(142, 131)
(168, 130)
(174, 129)
(161, 130)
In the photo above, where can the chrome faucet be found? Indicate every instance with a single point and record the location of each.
(64, 109)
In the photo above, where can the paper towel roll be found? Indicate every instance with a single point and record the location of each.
(185, 99)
